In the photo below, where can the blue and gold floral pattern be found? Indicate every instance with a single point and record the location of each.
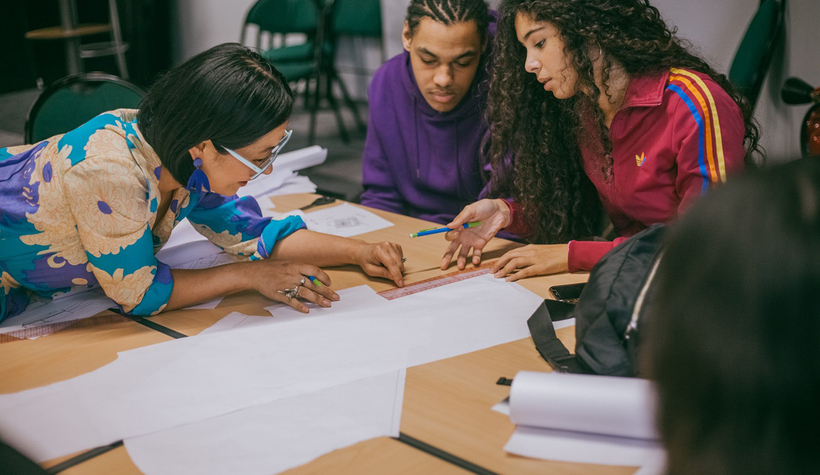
(80, 209)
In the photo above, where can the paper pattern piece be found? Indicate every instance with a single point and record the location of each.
(206, 376)
(345, 220)
(74, 305)
(584, 418)
(352, 300)
(236, 320)
(276, 436)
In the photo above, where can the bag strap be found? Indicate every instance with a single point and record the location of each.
(547, 343)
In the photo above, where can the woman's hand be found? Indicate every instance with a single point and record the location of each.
(494, 216)
(384, 259)
(532, 260)
(272, 277)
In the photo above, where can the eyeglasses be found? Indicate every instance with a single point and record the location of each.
(269, 161)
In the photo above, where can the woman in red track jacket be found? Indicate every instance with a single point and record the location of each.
(604, 111)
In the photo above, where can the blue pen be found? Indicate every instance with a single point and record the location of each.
(427, 232)
(316, 281)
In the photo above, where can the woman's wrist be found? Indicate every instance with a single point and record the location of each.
(505, 211)
(356, 253)
(244, 274)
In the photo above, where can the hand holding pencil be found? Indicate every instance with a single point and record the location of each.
(492, 215)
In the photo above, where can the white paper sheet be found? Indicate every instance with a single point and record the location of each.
(276, 436)
(297, 184)
(353, 300)
(202, 377)
(302, 158)
(198, 378)
(236, 320)
(280, 182)
(503, 407)
(283, 175)
(345, 220)
(75, 305)
(579, 447)
(206, 305)
(583, 418)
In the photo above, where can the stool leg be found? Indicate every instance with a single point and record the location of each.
(68, 21)
(349, 101)
(335, 106)
(116, 38)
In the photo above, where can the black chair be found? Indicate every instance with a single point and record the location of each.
(754, 55)
(74, 100)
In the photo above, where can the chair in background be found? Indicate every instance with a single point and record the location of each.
(299, 63)
(279, 18)
(350, 18)
(70, 32)
(73, 100)
(754, 55)
(312, 61)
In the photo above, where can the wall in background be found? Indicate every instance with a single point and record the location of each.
(201, 24)
(714, 28)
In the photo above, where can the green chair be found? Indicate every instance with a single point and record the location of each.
(754, 55)
(283, 17)
(74, 100)
(352, 18)
(300, 62)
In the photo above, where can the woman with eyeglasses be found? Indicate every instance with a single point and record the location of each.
(92, 206)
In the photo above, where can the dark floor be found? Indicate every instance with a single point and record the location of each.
(340, 175)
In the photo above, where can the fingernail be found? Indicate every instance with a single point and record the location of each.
(497, 275)
(326, 302)
(508, 279)
(336, 297)
(401, 283)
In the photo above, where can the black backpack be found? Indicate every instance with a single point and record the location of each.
(610, 312)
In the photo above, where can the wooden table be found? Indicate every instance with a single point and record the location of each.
(447, 404)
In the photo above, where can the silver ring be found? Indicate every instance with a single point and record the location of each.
(291, 293)
(302, 282)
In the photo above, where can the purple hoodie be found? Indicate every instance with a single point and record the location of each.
(418, 161)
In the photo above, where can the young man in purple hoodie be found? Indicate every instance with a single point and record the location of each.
(426, 123)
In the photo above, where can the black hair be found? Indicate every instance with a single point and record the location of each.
(449, 12)
(229, 94)
(734, 334)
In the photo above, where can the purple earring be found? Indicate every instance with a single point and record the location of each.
(199, 180)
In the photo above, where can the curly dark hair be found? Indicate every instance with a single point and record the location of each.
(542, 132)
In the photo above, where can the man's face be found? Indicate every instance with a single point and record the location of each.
(445, 59)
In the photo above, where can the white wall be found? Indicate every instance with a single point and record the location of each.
(715, 28)
(201, 24)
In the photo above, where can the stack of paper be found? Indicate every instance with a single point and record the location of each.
(584, 418)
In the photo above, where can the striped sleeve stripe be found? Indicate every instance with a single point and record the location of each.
(721, 166)
(707, 123)
(699, 121)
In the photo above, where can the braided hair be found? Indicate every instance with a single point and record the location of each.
(449, 12)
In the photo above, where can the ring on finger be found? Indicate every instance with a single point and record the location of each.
(302, 282)
(290, 293)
